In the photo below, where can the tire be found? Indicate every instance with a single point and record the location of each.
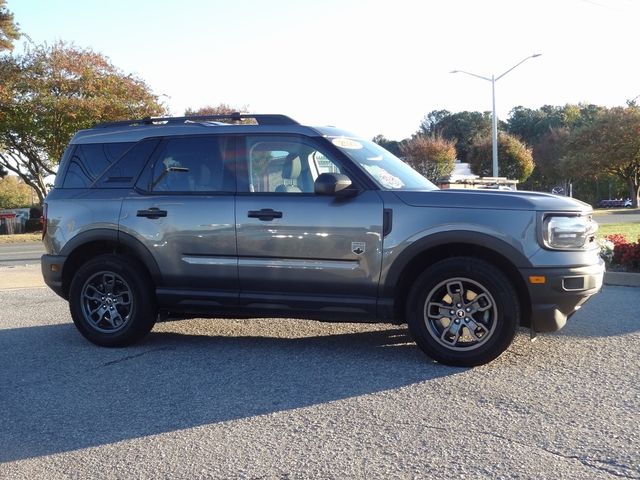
(463, 312)
(112, 301)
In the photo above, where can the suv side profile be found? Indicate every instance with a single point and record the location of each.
(205, 216)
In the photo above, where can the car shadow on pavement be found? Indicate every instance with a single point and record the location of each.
(61, 393)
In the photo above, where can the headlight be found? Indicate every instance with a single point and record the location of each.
(569, 232)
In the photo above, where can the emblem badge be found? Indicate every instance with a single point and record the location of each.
(358, 247)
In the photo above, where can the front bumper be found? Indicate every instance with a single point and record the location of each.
(564, 291)
(52, 266)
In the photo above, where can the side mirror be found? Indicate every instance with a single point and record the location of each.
(333, 184)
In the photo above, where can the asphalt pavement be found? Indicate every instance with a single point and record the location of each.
(15, 254)
(288, 399)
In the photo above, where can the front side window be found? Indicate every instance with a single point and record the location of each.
(191, 164)
(284, 164)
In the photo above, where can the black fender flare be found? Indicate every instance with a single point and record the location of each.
(140, 251)
(469, 237)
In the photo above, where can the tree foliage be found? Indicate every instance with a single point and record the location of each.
(515, 158)
(392, 146)
(609, 144)
(14, 193)
(50, 92)
(220, 109)
(463, 128)
(550, 170)
(432, 156)
(8, 29)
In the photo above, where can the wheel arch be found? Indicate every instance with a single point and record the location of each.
(96, 242)
(424, 253)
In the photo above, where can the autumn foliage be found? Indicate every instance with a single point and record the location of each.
(431, 155)
(50, 92)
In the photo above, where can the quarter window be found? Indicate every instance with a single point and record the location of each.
(90, 160)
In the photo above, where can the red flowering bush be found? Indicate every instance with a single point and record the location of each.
(625, 254)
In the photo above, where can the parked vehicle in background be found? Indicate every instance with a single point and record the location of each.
(199, 216)
(616, 203)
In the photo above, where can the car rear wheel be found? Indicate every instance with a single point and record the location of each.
(463, 312)
(112, 301)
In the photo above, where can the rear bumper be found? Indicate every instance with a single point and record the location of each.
(563, 293)
(52, 267)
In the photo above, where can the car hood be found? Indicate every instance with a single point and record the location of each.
(493, 199)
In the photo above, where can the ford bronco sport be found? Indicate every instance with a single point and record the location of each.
(205, 216)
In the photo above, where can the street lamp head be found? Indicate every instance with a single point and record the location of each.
(454, 71)
(536, 55)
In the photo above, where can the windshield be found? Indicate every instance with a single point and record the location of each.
(387, 170)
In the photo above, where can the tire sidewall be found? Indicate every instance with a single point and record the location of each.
(492, 280)
(143, 313)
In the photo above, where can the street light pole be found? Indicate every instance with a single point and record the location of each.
(494, 118)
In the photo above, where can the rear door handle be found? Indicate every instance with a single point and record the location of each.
(266, 214)
(153, 212)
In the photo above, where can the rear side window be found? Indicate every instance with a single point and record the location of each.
(88, 161)
(192, 164)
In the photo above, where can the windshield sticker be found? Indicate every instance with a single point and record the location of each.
(347, 143)
(385, 178)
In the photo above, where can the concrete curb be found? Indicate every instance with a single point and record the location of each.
(623, 279)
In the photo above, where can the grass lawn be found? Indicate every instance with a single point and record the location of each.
(21, 238)
(629, 230)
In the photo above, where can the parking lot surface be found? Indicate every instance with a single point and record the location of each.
(285, 399)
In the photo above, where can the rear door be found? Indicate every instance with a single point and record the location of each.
(183, 211)
(297, 249)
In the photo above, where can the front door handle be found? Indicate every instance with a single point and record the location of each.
(266, 214)
(153, 212)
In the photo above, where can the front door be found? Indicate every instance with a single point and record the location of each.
(296, 249)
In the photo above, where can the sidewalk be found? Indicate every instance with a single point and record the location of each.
(28, 276)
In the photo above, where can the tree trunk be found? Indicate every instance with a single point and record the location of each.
(634, 192)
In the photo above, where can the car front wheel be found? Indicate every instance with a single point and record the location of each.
(463, 312)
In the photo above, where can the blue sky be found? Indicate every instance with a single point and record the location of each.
(367, 66)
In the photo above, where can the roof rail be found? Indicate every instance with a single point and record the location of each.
(261, 119)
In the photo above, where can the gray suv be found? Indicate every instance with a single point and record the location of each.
(257, 215)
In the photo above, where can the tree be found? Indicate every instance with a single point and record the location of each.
(14, 193)
(432, 156)
(50, 92)
(532, 125)
(8, 29)
(516, 159)
(220, 109)
(463, 128)
(610, 144)
(392, 146)
(550, 170)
